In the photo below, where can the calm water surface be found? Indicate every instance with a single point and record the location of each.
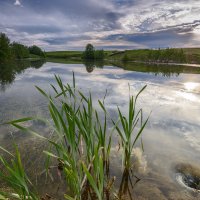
(171, 138)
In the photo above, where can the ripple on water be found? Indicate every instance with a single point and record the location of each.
(188, 176)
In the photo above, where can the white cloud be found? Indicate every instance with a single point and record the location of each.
(154, 16)
(17, 3)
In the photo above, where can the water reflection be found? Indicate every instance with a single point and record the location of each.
(172, 135)
(156, 69)
(165, 70)
(37, 63)
(191, 86)
(9, 71)
(90, 65)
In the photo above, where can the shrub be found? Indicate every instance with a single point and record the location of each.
(19, 51)
(36, 51)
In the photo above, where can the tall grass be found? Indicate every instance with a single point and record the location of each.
(79, 139)
(13, 174)
(81, 142)
(129, 124)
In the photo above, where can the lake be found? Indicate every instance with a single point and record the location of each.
(171, 138)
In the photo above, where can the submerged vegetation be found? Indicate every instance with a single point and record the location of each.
(81, 145)
(12, 51)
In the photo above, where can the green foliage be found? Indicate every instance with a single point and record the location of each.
(190, 55)
(167, 55)
(5, 53)
(129, 125)
(19, 50)
(151, 55)
(89, 52)
(72, 55)
(125, 58)
(99, 54)
(76, 141)
(16, 50)
(13, 174)
(36, 51)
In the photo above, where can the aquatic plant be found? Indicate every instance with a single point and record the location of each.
(81, 142)
(128, 125)
(14, 175)
(79, 139)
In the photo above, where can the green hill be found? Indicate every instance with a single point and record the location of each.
(186, 55)
(176, 55)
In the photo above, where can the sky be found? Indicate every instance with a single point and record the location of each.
(107, 24)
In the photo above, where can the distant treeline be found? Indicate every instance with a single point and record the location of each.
(10, 51)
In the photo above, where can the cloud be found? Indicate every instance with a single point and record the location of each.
(163, 39)
(17, 3)
(111, 24)
(36, 29)
(65, 39)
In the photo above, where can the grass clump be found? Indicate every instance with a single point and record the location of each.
(128, 124)
(13, 174)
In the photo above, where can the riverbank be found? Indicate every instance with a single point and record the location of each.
(171, 56)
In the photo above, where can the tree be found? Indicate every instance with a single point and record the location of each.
(16, 50)
(99, 54)
(19, 50)
(5, 53)
(89, 52)
(36, 51)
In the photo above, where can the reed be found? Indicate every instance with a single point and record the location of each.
(126, 128)
(80, 143)
(14, 175)
(77, 143)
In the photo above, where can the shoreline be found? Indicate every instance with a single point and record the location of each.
(157, 63)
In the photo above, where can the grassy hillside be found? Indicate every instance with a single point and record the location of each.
(72, 54)
(64, 61)
(186, 55)
(192, 54)
(64, 54)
